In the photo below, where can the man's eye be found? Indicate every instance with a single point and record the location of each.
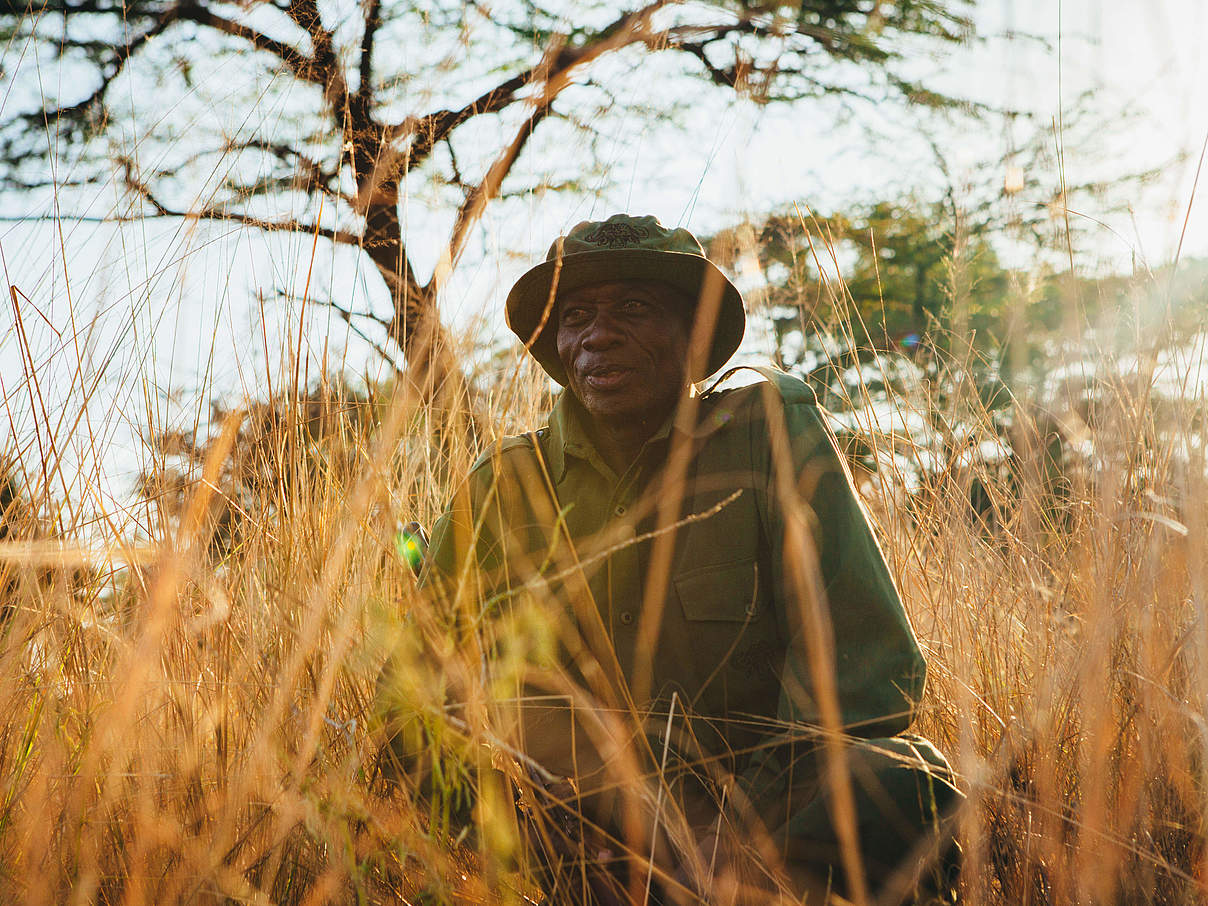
(573, 315)
(636, 305)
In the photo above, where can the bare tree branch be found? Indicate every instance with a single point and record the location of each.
(347, 315)
(373, 21)
(343, 237)
(135, 184)
(553, 69)
(121, 56)
(458, 179)
(140, 188)
(555, 74)
(309, 174)
(723, 77)
(298, 63)
(478, 198)
(325, 62)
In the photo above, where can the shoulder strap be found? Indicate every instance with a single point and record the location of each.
(533, 440)
(790, 387)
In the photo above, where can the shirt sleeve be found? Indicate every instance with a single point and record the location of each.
(414, 694)
(450, 543)
(464, 565)
(879, 670)
(489, 540)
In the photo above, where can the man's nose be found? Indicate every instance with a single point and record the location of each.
(603, 332)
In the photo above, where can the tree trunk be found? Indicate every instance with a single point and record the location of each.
(432, 370)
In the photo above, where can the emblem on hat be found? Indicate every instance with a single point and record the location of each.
(616, 235)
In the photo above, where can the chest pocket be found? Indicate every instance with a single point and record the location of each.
(717, 576)
(724, 592)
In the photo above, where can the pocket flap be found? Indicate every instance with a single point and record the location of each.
(724, 591)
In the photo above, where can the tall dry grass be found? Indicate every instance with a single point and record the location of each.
(1067, 653)
(190, 718)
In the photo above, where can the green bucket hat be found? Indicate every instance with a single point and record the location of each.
(622, 248)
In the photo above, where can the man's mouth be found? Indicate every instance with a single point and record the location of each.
(606, 377)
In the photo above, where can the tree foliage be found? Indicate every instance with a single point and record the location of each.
(345, 104)
(896, 269)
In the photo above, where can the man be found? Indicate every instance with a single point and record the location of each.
(733, 659)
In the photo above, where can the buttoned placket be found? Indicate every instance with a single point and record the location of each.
(620, 587)
(623, 567)
(623, 603)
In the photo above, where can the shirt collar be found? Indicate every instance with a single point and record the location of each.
(565, 431)
(569, 437)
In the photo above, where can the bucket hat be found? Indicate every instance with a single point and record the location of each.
(622, 248)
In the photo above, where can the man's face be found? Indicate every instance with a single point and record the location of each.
(624, 346)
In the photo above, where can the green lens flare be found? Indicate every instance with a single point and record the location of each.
(412, 545)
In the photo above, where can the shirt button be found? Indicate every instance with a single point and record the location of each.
(620, 510)
(626, 618)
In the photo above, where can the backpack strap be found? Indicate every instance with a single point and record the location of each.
(791, 388)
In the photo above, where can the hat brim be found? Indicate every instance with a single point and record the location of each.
(532, 314)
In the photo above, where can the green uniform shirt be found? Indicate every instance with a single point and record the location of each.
(729, 638)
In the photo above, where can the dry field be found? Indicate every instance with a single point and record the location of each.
(187, 712)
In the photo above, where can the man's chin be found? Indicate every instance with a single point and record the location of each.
(614, 407)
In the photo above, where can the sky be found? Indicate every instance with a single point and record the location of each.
(1141, 63)
(142, 318)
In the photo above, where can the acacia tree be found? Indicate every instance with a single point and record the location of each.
(382, 92)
